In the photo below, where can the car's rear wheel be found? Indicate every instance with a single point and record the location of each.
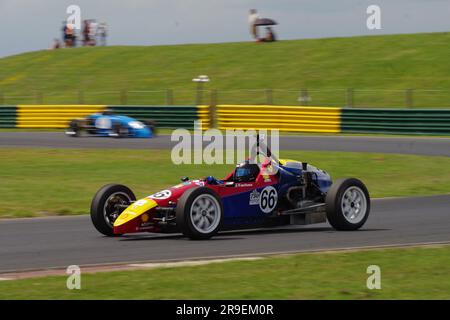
(199, 213)
(347, 204)
(120, 131)
(107, 204)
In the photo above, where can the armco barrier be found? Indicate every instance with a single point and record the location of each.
(284, 118)
(396, 121)
(52, 116)
(8, 116)
(168, 116)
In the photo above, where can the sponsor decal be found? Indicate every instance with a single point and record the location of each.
(244, 185)
(254, 198)
(165, 194)
(199, 183)
(268, 199)
(139, 203)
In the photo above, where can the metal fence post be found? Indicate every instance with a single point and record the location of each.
(123, 97)
(199, 94)
(212, 109)
(305, 97)
(39, 97)
(169, 97)
(409, 98)
(269, 96)
(350, 97)
(80, 97)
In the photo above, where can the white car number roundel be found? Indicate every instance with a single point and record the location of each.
(268, 199)
(165, 194)
(103, 123)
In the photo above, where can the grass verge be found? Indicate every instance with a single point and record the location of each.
(408, 273)
(371, 63)
(40, 182)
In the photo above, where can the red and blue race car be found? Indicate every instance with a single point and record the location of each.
(272, 193)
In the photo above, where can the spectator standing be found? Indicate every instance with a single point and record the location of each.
(86, 33)
(252, 17)
(69, 36)
(93, 26)
(102, 33)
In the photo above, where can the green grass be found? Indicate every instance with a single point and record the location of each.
(391, 62)
(413, 273)
(39, 182)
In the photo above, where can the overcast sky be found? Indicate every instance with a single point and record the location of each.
(27, 25)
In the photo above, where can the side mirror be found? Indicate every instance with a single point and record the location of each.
(229, 184)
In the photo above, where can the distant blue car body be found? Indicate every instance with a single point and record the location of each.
(111, 125)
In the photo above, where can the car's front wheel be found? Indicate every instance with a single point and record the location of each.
(347, 204)
(74, 128)
(199, 213)
(107, 204)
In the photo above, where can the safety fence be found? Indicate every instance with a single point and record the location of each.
(167, 116)
(59, 116)
(283, 118)
(400, 121)
(8, 116)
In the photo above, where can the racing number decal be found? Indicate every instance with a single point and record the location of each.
(103, 123)
(268, 199)
(165, 194)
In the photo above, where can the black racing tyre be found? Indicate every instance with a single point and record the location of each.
(199, 213)
(107, 204)
(120, 130)
(74, 126)
(347, 204)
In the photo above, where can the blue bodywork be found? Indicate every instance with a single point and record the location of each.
(239, 211)
(104, 124)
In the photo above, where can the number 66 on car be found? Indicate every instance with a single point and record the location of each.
(272, 193)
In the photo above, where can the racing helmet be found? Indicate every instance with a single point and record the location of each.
(108, 112)
(246, 172)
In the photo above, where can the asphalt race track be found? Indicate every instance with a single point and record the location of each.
(406, 145)
(63, 241)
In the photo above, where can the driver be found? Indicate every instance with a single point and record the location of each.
(246, 172)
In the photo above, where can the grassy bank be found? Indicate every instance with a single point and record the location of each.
(391, 62)
(39, 182)
(413, 273)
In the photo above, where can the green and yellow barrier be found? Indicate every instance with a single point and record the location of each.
(8, 116)
(167, 116)
(396, 121)
(59, 116)
(283, 118)
(244, 117)
(52, 116)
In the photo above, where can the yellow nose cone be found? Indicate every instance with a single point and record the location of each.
(135, 210)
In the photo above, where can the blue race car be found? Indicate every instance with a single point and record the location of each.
(108, 124)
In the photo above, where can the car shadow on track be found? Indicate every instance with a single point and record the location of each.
(234, 235)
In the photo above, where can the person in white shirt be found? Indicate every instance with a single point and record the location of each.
(252, 17)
